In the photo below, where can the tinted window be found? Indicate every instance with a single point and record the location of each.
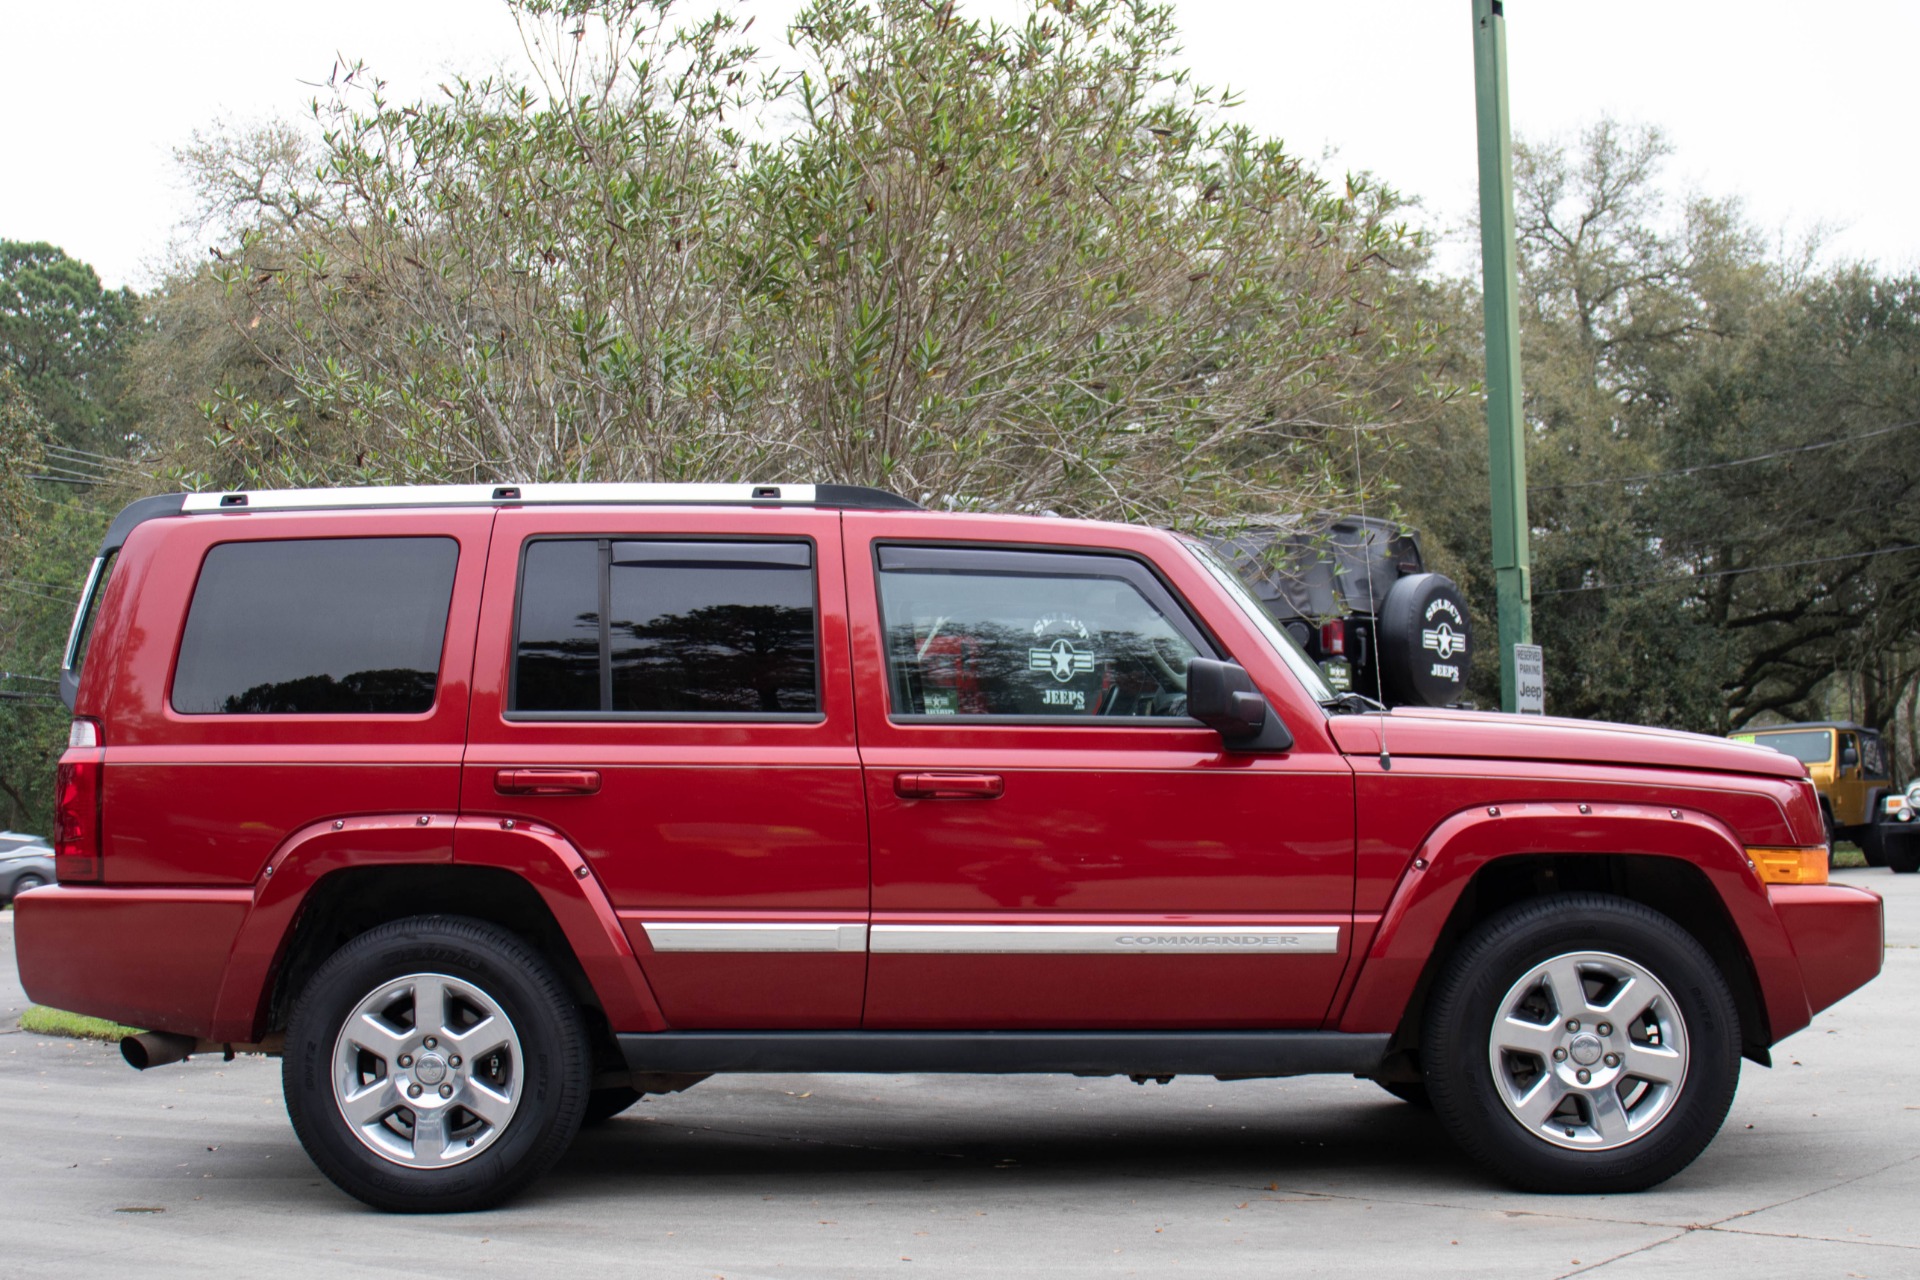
(983, 633)
(558, 668)
(346, 625)
(691, 628)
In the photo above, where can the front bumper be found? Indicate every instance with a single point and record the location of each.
(1838, 934)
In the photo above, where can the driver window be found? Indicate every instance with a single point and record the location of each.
(1031, 634)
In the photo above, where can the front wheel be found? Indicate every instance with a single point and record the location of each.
(435, 1064)
(1582, 1043)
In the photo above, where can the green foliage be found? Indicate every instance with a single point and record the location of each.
(43, 580)
(20, 456)
(60, 333)
(1716, 457)
(1027, 266)
(62, 438)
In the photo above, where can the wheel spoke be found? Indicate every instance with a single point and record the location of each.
(1562, 978)
(430, 1005)
(1629, 1001)
(1539, 1102)
(368, 1106)
(489, 1104)
(1519, 1036)
(370, 1032)
(482, 1038)
(429, 1134)
(1654, 1062)
(1609, 1123)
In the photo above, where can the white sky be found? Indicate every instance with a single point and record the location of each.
(1800, 109)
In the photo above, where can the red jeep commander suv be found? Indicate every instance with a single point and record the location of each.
(491, 809)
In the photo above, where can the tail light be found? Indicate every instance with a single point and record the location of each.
(76, 813)
(1333, 637)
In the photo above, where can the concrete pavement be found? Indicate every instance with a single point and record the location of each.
(193, 1168)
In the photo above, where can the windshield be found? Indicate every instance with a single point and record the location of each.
(1303, 667)
(1808, 746)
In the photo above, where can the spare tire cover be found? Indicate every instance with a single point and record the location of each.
(1424, 641)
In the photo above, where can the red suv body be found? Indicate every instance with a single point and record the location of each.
(493, 808)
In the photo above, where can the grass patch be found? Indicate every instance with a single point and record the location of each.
(58, 1022)
(1847, 854)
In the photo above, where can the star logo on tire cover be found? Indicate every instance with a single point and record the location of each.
(1443, 640)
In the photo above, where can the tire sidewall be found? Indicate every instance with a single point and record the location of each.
(533, 998)
(1466, 1002)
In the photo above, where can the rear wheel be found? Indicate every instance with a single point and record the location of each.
(27, 880)
(435, 1064)
(1581, 1043)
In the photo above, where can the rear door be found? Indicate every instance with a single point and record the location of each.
(1055, 845)
(668, 689)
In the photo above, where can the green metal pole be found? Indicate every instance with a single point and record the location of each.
(1506, 442)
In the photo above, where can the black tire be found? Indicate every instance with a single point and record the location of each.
(530, 1068)
(1412, 1092)
(604, 1104)
(1872, 847)
(27, 880)
(1832, 828)
(1688, 1031)
(1904, 860)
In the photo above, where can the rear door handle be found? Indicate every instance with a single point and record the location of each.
(546, 782)
(948, 786)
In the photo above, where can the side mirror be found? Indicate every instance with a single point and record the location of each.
(1221, 696)
(1849, 756)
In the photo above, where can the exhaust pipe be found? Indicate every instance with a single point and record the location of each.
(156, 1049)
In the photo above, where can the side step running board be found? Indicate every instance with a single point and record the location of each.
(1142, 1053)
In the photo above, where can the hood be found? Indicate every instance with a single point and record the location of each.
(1494, 735)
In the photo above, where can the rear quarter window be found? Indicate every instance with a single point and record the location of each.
(336, 626)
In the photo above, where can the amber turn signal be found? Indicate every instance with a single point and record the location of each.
(1804, 865)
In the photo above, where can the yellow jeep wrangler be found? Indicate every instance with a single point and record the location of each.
(1848, 765)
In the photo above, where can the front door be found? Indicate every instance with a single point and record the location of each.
(1055, 844)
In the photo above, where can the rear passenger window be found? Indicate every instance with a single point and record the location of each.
(666, 630)
(316, 626)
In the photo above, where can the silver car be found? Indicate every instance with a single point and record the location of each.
(26, 862)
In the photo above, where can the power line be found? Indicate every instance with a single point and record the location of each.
(1728, 573)
(1731, 462)
(26, 590)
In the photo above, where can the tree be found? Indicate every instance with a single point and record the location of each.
(1020, 266)
(1720, 456)
(60, 335)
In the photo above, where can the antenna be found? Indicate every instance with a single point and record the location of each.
(1380, 696)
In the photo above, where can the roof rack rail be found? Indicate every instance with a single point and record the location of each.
(849, 496)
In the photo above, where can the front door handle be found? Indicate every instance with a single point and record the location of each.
(948, 786)
(546, 782)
